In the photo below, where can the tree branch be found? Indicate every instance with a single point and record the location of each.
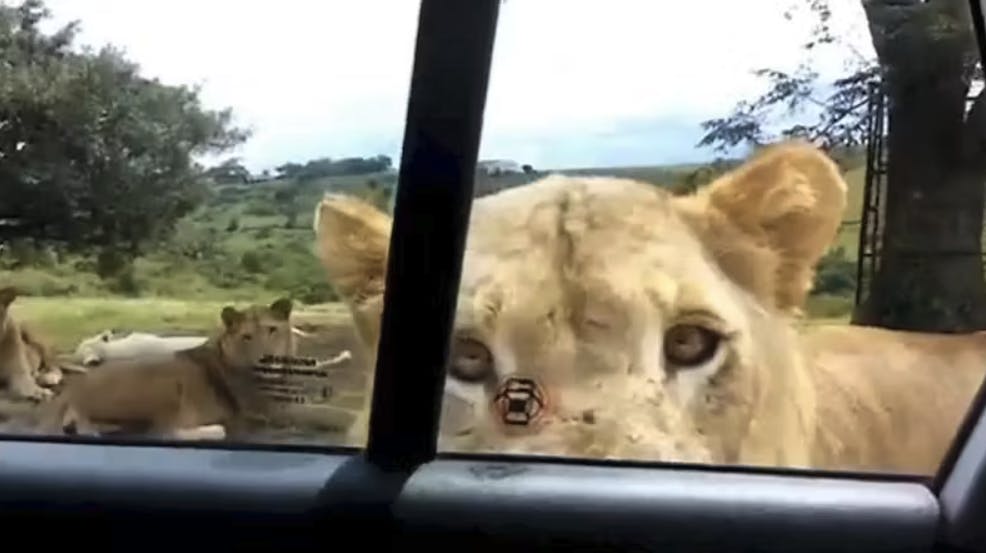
(839, 117)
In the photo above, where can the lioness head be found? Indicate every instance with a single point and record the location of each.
(256, 332)
(89, 349)
(646, 325)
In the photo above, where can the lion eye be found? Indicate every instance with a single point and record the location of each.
(271, 329)
(247, 337)
(687, 345)
(470, 360)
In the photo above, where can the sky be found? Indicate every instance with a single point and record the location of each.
(574, 83)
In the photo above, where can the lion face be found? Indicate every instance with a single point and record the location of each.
(603, 317)
(259, 331)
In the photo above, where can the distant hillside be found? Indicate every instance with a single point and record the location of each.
(242, 242)
(661, 175)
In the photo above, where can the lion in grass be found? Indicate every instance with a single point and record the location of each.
(27, 365)
(209, 389)
(665, 327)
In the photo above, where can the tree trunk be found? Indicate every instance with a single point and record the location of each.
(930, 276)
(930, 273)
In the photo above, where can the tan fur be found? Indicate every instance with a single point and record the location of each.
(577, 281)
(27, 365)
(894, 399)
(172, 395)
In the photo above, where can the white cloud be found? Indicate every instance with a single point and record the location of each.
(331, 77)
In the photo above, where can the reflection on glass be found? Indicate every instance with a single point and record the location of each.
(689, 247)
(754, 238)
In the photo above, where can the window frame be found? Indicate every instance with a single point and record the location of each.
(400, 490)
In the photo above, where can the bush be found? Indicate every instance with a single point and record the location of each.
(35, 282)
(234, 225)
(111, 262)
(125, 282)
(303, 279)
(260, 208)
(252, 262)
(225, 272)
(23, 252)
(835, 274)
(84, 265)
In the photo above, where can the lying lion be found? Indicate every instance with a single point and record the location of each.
(27, 365)
(112, 345)
(660, 327)
(173, 395)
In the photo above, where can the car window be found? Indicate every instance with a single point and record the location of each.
(162, 163)
(758, 243)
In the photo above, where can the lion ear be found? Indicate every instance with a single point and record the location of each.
(352, 239)
(771, 219)
(231, 317)
(281, 308)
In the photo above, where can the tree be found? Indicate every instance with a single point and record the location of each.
(289, 170)
(230, 171)
(92, 154)
(328, 167)
(930, 275)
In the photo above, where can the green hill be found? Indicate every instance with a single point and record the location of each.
(238, 245)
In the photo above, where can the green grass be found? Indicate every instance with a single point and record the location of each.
(64, 322)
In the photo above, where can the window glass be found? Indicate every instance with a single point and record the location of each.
(162, 162)
(724, 232)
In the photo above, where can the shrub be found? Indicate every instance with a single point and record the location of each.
(252, 262)
(21, 252)
(835, 273)
(111, 262)
(260, 208)
(303, 279)
(125, 282)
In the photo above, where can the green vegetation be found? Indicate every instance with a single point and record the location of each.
(94, 155)
(66, 321)
(102, 195)
(235, 246)
(923, 56)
